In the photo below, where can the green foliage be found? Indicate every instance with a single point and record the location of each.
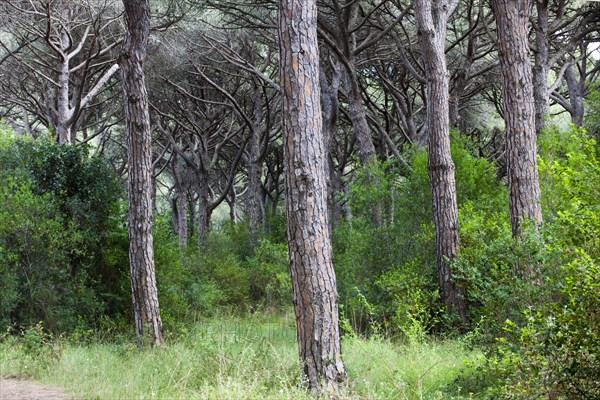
(226, 273)
(37, 351)
(269, 276)
(57, 208)
(591, 121)
(550, 344)
(389, 262)
(555, 353)
(252, 357)
(570, 175)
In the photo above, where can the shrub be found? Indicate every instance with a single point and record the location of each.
(59, 208)
(555, 354)
(391, 263)
(269, 276)
(550, 347)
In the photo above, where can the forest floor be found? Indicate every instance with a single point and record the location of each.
(230, 357)
(15, 389)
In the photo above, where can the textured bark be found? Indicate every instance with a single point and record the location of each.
(141, 250)
(541, 67)
(431, 17)
(512, 18)
(311, 268)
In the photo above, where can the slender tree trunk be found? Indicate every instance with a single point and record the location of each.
(358, 117)
(255, 170)
(193, 217)
(541, 68)
(431, 27)
(311, 268)
(575, 96)
(141, 250)
(329, 108)
(232, 202)
(512, 17)
(175, 213)
(181, 199)
(182, 226)
(203, 208)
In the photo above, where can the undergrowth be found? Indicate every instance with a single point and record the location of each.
(232, 358)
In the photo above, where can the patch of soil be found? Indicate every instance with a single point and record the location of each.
(15, 389)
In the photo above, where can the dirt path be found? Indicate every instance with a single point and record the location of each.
(14, 389)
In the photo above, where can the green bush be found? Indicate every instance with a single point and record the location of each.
(550, 342)
(555, 354)
(226, 273)
(391, 264)
(570, 177)
(269, 276)
(59, 209)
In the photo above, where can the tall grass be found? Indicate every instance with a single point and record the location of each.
(233, 358)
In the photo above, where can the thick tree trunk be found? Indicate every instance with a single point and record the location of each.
(541, 68)
(141, 250)
(311, 268)
(431, 28)
(512, 17)
(62, 123)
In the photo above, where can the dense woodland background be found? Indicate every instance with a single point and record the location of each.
(524, 288)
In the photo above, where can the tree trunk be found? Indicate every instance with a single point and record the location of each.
(63, 131)
(358, 117)
(431, 27)
(181, 199)
(541, 68)
(203, 207)
(141, 250)
(255, 170)
(311, 268)
(329, 109)
(575, 96)
(512, 18)
(182, 228)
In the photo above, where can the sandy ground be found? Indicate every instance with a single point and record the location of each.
(14, 389)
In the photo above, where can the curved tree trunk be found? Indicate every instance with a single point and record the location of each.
(431, 27)
(311, 268)
(141, 250)
(512, 17)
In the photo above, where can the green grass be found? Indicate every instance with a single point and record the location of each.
(233, 358)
